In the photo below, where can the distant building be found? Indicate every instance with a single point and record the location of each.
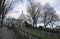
(10, 21)
(23, 18)
(57, 27)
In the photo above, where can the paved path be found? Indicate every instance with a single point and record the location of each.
(7, 34)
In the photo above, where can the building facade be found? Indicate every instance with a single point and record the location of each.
(23, 18)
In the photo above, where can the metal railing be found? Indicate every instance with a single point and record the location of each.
(24, 35)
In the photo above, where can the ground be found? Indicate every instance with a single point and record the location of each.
(5, 33)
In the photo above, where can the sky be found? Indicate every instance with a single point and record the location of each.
(17, 10)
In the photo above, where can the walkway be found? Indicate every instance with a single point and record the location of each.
(6, 33)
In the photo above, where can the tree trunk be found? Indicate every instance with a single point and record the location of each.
(2, 22)
(33, 23)
(52, 25)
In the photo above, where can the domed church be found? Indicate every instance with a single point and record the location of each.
(24, 18)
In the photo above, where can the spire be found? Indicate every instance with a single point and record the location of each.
(22, 11)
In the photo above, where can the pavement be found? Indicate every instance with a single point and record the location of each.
(5, 33)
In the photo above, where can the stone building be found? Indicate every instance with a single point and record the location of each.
(24, 18)
(57, 27)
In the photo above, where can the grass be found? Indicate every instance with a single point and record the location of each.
(38, 33)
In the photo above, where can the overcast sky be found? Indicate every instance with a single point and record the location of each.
(22, 6)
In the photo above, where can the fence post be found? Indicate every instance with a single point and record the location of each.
(30, 36)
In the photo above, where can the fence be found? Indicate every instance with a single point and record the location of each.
(24, 35)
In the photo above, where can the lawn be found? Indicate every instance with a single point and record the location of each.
(36, 33)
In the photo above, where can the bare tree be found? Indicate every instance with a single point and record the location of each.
(34, 9)
(49, 15)
(4, 8)
(54, 18)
